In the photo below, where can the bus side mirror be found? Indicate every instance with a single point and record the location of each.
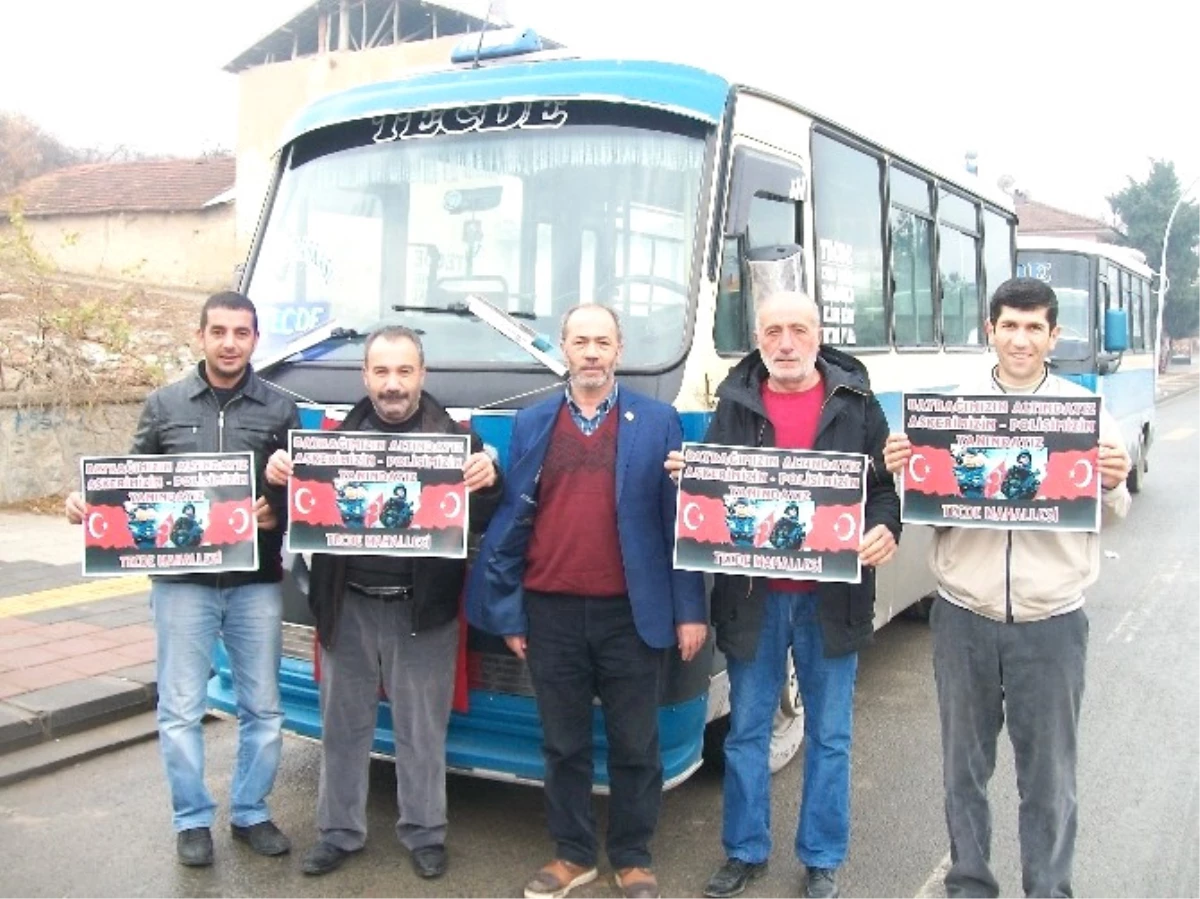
(758, 174)
(1116, 330)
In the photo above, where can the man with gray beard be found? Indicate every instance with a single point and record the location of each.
(793, 393)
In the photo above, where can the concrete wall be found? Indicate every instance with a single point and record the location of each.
(270, 96)
(187, 249)
(41, 441)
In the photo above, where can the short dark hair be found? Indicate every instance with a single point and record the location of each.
(1027, 295)
(228, 299)
(611, 311)
(391, 333)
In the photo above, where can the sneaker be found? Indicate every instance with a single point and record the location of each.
(637, 883)
(194, 847)
(731, 878)
(264, 838)
(324, 857)
(559, 877)
(822, 883)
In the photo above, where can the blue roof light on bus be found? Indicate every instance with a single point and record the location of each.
(495, 44)
(669, 86)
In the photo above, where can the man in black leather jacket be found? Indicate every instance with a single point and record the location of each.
(220, 406)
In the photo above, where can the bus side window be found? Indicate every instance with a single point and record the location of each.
(773, 222)
(848, 227)
(910, 220)
(958, 268)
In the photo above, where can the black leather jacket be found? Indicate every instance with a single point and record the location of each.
(852, 421)
(186, 417)
(437, 582)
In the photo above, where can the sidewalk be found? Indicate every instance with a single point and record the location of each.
(1178, 379)
(74, 654)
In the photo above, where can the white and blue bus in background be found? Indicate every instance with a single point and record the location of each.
(478, 203)
(1107, 314)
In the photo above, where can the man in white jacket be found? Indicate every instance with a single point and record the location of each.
(1010, 634)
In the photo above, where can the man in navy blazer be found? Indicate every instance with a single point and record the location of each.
(575, 572)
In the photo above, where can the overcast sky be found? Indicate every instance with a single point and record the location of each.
(1063, 96)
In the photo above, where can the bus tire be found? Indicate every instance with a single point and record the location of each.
(787, 730)
(1137, 471)
(919, 610)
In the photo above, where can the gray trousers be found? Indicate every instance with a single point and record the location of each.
(1034, 673)
(374, 645)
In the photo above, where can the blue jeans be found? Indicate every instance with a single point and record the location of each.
(188, 619)
(827, 687)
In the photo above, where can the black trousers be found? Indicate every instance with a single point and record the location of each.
(580, 648)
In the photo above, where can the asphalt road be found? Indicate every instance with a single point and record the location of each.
(102, 828)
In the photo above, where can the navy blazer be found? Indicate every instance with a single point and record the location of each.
(661, 595)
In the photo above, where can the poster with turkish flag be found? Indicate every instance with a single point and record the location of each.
(788, 514)
(374, 493)
(174, 514)
(1003, 461)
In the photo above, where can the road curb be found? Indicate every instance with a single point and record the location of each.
(51, 755)
(30, 719)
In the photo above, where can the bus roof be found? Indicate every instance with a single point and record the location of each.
(676, 88)
(557, 75)
(1131, 258)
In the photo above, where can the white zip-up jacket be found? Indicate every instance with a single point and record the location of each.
(1024, 575)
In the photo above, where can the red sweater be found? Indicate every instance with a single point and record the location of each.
(795, 417)
(574, 547)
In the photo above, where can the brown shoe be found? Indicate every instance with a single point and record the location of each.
(638, 883)
(555, 880)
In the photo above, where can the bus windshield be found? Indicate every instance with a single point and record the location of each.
(365, 231)
(1069, 274)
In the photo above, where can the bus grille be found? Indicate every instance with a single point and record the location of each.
(298, 641)
(485, 670)
(498, 674)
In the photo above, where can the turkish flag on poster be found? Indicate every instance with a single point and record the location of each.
(107, 527)
(1071, 475)
(930, 470)
(835, 529)
(442, 506)
(995, 478)
(163, 535)
(230, 522)
(371, 518)
(313, 503)
(762, 536)
(702, 518)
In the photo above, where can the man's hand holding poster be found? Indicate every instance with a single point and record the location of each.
(770, 512)
(173, 514)
(1019, 461)
(372, 493)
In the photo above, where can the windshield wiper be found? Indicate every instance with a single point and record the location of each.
(505, 324)
(462, 309)
(328, 332)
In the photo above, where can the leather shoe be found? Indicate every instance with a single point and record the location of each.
(324, 857)
(731, 878)
(822, 883)
(430, 861)
(194, 847)
(264, 838)
(637, 883)
(556, 879)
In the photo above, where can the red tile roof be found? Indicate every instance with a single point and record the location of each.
(161, 185)
(1038, 218)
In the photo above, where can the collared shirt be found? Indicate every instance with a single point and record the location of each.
(589, 425)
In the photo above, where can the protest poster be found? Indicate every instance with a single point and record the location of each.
(777, 513)
(374, 493)
(173, 514)
(1011, 461)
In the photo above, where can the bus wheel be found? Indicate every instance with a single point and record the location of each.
(787, 730)
(1137, 471)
